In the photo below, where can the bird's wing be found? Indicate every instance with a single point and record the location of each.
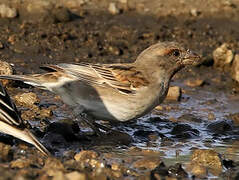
(125, 78)
(8, 110)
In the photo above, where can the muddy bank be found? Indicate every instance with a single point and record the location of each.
(162, 144)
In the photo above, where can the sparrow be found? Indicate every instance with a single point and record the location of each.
(12, 124)
(115, 92)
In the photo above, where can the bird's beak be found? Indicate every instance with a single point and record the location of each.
(191, 58)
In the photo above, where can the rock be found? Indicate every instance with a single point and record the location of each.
(194, 12)
(7, 12)
(59, 175)
(177, 171)
(198, 170)
(45, 113)
(189, 118)
(207, 158)
(220, 127)
(61, 14)
(113, 9)
(20, 163)
(5, 152)
(74, 4)
(85, 155)
(194, 82)
(26, 99)
(5, 69)
(149, 163)
(235, 68)
(174, 93)
(160, 170)
(184, 131)
(211, 116)
(1, 45)
(53, 166)
(75, 176)
(235, 118)
(223, 56)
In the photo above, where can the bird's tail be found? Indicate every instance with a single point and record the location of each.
(30, 138)
(28, 79)
(23, 134)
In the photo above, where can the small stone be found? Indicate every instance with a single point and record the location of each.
(198, 170)
(235, 68)
(61, 14)
(113, 9)
(149, 163)
(5, 152)
(189, 118)
(115, 167)
(5, 69)
(1, 45)
(75, 176)
(194, 12)
(7, 12)
(74, 4)
(211, 116)
(207, 158)
(159, 108)
(174, 93)
(58, 175)
(27, 99)
(45, 113)
(220, 127)
(235, 119)
(223, 56)
(85, 155)
(20, 163)
(194, 82)
(52, 166)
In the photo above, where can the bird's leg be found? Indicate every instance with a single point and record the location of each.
(79, 113)
(90, 122)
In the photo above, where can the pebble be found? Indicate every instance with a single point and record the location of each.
(75, 175)
(7, 12)
(1, 45)
(194, 82)
(53, 166)
(113, 9)
(149, 163)
(235, 118)
(5, 152)
(194, 12)
(189, 118)
(20, 163)
(74, 4)
(207, 158)
(85, 155)
(235, 68)
(5, 69)
(174, 93)
(223, 56)
(197, 170)
(220, 127)
(26, 99)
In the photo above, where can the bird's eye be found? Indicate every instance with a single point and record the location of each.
(176, 53)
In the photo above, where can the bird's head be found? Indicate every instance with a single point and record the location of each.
(168, 56)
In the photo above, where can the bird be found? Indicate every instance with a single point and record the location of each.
(12, 124)
(117, 92)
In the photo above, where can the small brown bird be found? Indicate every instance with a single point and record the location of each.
(12, 124)
(115, 92)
